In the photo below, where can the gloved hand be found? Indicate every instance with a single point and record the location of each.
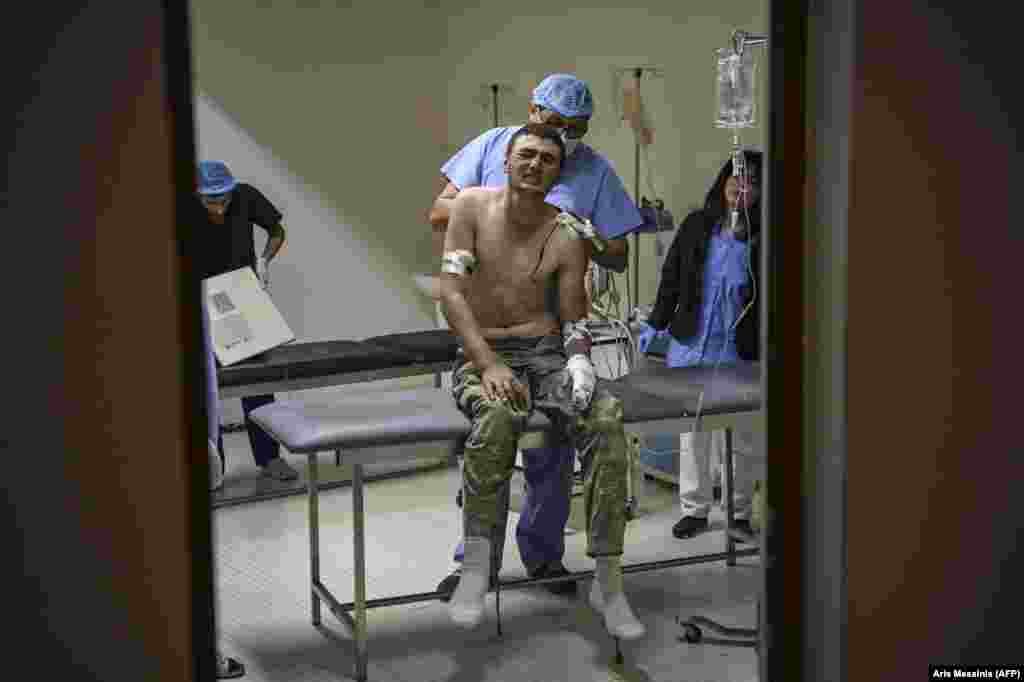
(647, 335)
(581, 228)
(584, 379)
(263, 271)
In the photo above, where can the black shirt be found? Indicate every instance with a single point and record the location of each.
(227, 247)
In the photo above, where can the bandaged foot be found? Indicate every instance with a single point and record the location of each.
(608, 599)
(466, 607)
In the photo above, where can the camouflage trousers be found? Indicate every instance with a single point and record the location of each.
(490, 451)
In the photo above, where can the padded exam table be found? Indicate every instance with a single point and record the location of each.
(322, 364)
(319, 364)
(365, 429)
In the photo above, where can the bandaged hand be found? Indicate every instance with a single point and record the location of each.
(581, 228)
(263, 271)
(646, 336)
(584, 379)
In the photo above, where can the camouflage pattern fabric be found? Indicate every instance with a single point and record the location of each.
(490, 451)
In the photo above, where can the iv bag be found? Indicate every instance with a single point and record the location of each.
(734, 88)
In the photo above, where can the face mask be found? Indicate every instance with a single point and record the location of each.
(570, 143)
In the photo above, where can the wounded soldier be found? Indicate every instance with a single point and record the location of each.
(503, 248)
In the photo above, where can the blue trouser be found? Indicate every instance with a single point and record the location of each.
(264, 448)
(540, 533)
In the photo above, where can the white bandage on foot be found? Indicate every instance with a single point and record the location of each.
(466, 607)
(608, 598)
(596, 596)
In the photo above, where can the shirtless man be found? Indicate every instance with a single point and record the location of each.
(503, 248)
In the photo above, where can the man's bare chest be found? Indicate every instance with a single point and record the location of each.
(518, 260)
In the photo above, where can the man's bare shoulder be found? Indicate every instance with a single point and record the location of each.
(569, 249)
(479, 195)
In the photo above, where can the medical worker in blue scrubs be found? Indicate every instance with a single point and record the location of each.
(707, 306)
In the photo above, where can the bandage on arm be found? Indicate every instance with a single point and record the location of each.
(458, 263)
(575, 335)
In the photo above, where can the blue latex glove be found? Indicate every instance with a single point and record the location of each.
(647, 335)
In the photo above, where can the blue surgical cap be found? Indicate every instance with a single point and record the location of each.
(566, 94)
(215, 178)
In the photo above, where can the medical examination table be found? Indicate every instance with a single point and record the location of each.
(365, 429)
(321, 364)
(325, 364)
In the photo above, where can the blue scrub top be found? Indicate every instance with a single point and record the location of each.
(726, 275)
(588, 185)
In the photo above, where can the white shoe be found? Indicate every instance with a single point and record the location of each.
(467, 616)
(216, 467)
(618, 617)
(596, 596)
(466, 607)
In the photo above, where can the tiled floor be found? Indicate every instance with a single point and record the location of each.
(412, 524)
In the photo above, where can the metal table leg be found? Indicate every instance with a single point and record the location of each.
(314, 536)
(359, 549)
(730, 543)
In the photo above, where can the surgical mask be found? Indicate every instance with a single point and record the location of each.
(570, 143)
(216, 200)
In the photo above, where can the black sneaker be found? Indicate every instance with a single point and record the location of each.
(447, 586)
(688, 526)
(743, 526)
(562, 589)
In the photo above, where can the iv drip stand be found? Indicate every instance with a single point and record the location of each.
(489, 98)
(494, 102)
(635, 291)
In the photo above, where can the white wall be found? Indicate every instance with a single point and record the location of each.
(343, 116)
(324, 280)
(520, 43)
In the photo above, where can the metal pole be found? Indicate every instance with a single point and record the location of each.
(359, 542)
(314, 535)
(636, 197)
(494, 101)
(730, 543)
(524, 583)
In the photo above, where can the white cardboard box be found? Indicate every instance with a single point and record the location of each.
(244, 321)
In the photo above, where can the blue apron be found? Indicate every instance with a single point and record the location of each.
(726, 276)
